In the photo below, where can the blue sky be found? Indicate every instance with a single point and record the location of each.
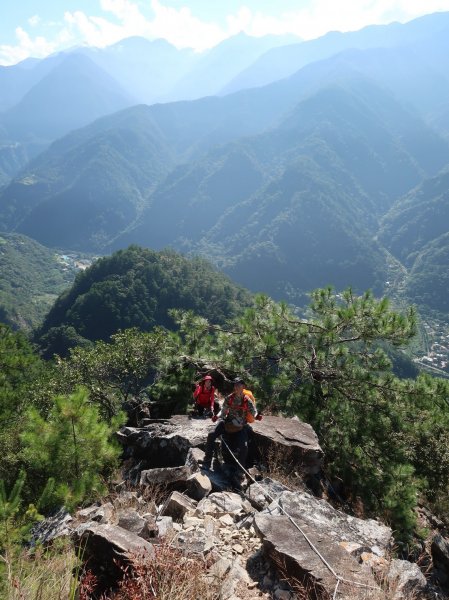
(41, 27)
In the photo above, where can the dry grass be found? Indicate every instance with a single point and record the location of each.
(41, 575)
(169, 576)
(282, 466)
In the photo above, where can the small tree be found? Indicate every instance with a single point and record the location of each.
(112, 372)
(19, 368)
(72, 445)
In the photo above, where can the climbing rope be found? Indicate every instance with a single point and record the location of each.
(308, 540)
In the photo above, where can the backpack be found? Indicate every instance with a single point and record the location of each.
(248, 416)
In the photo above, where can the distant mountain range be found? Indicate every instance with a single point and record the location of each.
(333, 175)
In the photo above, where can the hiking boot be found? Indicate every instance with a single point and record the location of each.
(205, 465)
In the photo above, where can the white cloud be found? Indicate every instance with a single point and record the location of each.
(182, 29)
(179, 26)
(34, 21)
(27, 46)
(320, 16)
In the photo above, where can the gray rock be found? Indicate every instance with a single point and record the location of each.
(127, 499)
(100, 514)
(56, 526)
(262, 493)
(280, 434)
(326, 528)
(164, 525)
(191, 542)
(109, 549)
(198, 486)
(194, 457)
(169, 476)
(440, 556)
(178, 505)
(166, 443)
(220, 568)
(288, 547)
(405, 579)
(130, 520)
(320, 515)
(222, 503)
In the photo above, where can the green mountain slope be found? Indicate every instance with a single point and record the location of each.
(428, 281)
(295, 207)
(135, 288)
(417, 219)
(31, 278)
(89, 186)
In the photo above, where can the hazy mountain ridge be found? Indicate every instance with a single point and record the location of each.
(73, 94)
(282, 62)
(304, 167)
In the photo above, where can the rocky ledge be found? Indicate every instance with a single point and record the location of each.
(269, 541)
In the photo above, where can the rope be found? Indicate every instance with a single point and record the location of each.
(308, 540)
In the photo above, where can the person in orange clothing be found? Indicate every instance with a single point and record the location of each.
(204, 396)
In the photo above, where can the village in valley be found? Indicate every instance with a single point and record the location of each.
(75, 261)
(435, 353)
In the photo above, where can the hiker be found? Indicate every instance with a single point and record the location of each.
(204, 396)
(238, 410)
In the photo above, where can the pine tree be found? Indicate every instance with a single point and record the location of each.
(331, 369)
(72, 445)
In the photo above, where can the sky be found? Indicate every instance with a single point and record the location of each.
(38, 28)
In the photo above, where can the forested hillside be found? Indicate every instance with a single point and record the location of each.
(136, 288)
(31, 278)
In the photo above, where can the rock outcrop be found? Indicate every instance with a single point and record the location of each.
(315, 543)
(166, 443)
(267, 542)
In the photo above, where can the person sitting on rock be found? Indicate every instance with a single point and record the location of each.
(238, 410)
(204, 396)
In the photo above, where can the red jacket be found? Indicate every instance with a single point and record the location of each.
(204, 397)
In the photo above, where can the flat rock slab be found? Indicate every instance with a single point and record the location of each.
(337, 525)
(169, 476)
(332, 532)
(289, 548)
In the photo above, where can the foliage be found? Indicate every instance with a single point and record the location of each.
(72, 446)
(135, 288)
(42, 573)
(20, 367)
(32, 277)
(331, 371)
(9, 507)
(114, 373)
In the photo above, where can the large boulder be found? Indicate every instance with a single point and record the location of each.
(108, 550)
(440, 556)
(406, 580)
(172, 477)
(51, 528)
(314, 529)
(292, 438)
(166, 443)
(178, 505)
